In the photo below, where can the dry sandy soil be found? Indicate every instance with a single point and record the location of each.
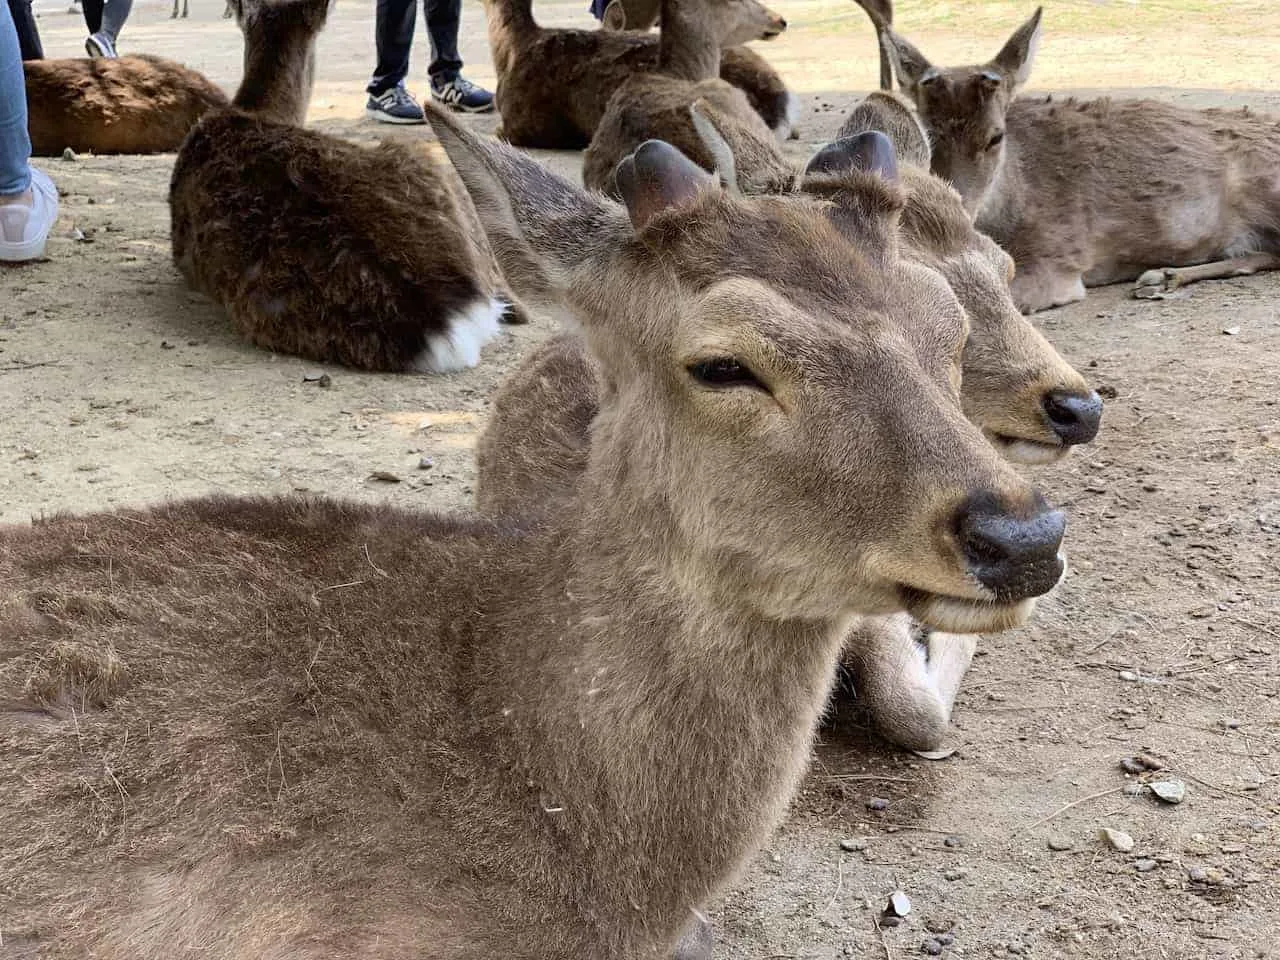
(121, 386)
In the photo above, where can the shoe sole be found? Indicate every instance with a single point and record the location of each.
(387, 118)
(23, 252)
(463, 108)
(96, 51)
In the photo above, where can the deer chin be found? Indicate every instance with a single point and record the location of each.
(964, 614)
(1028, 452)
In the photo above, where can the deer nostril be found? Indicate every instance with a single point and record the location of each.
(1074, 417)
(782, 23)
(1013, 554)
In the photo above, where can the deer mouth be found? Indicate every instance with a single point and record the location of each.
(1028, 452)
(954, 614)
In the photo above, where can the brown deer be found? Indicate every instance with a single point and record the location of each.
(297, 727)
(554, 84)
(1083, 194)
(655, 104)
(134, 104)
(302, 238)
(1028, 401)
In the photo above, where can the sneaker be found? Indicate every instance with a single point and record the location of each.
(395, 106)
(100, 45)
(461, 94)
(25, 227)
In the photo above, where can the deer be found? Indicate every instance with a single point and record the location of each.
(651, 105)
(554, 84)
(1030, 404)
(299, 237)
(310, 728)
(132, 104)
(1089, 193)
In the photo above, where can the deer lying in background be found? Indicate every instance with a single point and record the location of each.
(296, 727)
(301, 238)
(1089, 193)
(655, 105)
(553, 85)
(133, 104)
(1027, 400)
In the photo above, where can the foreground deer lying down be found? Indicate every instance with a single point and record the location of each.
(294, 727)
(1083, 194)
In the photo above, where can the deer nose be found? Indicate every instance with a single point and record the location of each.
(1014, 554)
(779, 23)
(1074, 417)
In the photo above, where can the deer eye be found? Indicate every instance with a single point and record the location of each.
(995, 140)
(722, 372)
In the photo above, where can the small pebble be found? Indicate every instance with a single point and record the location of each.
(946, 938)
(1060, 843)
(1145, 865)
(1116, 839)
(931, 947)
(1231, 331)
(853, 845)
(877, 803)
(319, 379)
(425, 463)
(69, 154)
(384, 476)
(899, 904)
(1170, 791)
(889, 920)
(1150, 762)
(1230, 723)
(955, 873)
(941, 928)
(952, 841)
(1131, 765)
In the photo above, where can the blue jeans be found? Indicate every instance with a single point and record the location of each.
(395, 21)
(15, 145)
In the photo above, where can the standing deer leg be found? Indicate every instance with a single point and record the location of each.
(909, 681)
(1155, 284)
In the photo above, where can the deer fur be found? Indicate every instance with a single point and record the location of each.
(372, 258)
(308, 729)
(537, 442)
(1089, 193)
(655, 105)
(133, 104)
(554, 84)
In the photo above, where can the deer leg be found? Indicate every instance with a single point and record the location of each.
(1155, 283)
(1037, 287)
(908, 680)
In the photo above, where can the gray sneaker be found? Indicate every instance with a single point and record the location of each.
(461, 94)
(99, 45)
(395, 106)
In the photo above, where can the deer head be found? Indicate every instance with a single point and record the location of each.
(964, 108)
(779, 407)
(735, 21)
(1026, 398)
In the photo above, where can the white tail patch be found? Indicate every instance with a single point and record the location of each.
(457, 347)
(786, 128)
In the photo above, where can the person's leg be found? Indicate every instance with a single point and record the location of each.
(28, 34)
(92, 10)
(114, 15)
(448, 86)
(394, 23)
(28, 200)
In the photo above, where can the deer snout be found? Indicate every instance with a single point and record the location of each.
(1074, 417)
(1013, 553)
(777, 25)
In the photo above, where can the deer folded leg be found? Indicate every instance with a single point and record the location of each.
(1156, 283)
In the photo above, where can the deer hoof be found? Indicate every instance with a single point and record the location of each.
(1156, 284)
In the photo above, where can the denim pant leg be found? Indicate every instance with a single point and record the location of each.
(443, 17)
(15, 146)
(114, 14)
(28, 34)
(394, 24)
(92, 14)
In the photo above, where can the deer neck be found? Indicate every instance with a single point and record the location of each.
(673, 723)
(278, 76)
(686, 48)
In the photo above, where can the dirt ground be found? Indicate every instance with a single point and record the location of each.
(118, 385)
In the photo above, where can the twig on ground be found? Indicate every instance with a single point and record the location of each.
(1064, 809)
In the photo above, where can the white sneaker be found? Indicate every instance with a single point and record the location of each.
(99, 45)
(25, 227)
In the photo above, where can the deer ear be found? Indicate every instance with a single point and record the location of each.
(1016, 57)
(658, 177)
(539, 226)
(868, 152)
(910, 65)
(892, 115)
